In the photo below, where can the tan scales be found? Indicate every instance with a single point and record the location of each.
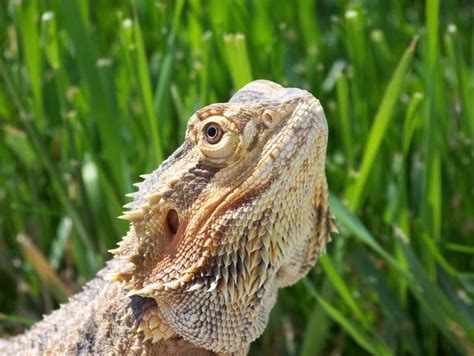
(237, 212)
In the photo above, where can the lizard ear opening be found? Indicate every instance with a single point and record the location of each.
(172, 220)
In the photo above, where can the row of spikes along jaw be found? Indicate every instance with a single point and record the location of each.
(132, 252)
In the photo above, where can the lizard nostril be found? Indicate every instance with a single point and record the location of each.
(172, 219)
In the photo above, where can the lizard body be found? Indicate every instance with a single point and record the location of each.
(237, 212)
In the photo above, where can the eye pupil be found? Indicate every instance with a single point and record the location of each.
(211, 131)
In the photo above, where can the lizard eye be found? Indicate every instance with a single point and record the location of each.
(217, 141)
(212, 133)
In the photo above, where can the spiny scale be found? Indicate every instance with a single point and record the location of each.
(132, 215)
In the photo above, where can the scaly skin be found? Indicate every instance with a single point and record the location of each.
(237, 212)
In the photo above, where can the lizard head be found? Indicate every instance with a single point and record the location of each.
(238, 211)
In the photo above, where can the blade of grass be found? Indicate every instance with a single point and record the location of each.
(237, 59)
(18, 143)
(376, 281)
(317, 331)
(431, 175)
(342, 90)
(434, 296)
(433, 249)
(162, 98)
(452, 40)
(377, 132)
(370, 344)
(411, 121)
(102, 107)
(459, 248)
(16, 319)
(360, 54)
(438, 308)
(156, 154)
(34, 256)
(308, 21)
(343, 289)
(59, 243)
(49, 39)
(349, 221)
(28, 24)
(56, 181)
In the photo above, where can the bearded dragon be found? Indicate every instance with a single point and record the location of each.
(237, 212)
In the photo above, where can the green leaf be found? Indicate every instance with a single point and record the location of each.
(379, 128)
(342, 289)
(349, 221)
(237, 59)
(372, 345)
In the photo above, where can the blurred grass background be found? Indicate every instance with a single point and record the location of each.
(94, 93)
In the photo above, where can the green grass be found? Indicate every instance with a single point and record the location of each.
(92, 94)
